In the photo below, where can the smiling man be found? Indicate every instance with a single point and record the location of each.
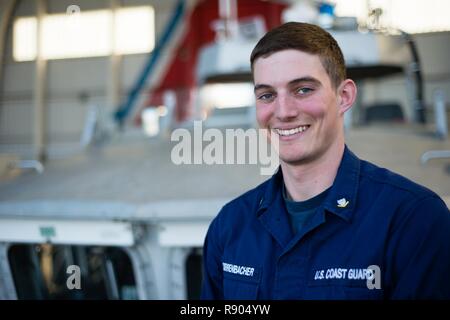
(327, 225)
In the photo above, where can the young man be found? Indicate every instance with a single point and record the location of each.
(327, 225)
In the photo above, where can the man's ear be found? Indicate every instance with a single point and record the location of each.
(347, 95)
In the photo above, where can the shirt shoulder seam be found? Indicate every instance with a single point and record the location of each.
(422, 191)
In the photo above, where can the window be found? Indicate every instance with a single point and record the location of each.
(413, 16)
(40, 272)
(85, 34)
(24, 39)
(194, 274)
(227, 95)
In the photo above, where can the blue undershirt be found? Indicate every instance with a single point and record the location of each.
(301, 211)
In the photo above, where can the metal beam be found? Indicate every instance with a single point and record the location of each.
(7, 12)
(40, 80)
(124, 110)
(115, 60)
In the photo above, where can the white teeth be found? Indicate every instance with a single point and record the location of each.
(291, 131)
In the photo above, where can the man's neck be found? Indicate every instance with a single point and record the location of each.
(304, 181)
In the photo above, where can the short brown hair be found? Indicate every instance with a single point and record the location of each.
(308, 38)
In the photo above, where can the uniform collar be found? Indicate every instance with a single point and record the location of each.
(341, 199)
(274, 186)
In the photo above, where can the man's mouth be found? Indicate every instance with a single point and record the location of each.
(290, 132)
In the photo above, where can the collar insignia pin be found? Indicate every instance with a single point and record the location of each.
(342, 203)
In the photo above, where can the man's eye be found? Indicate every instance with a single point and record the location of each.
(304, 90)
(266, 97)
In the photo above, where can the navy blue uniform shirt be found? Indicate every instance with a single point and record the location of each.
(375, 229)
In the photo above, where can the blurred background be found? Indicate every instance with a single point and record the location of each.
(92, 205)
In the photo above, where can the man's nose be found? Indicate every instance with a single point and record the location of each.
(286, 108)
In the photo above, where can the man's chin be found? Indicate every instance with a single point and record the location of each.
(293, 159)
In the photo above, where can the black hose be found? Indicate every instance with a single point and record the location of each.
(419, 103)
